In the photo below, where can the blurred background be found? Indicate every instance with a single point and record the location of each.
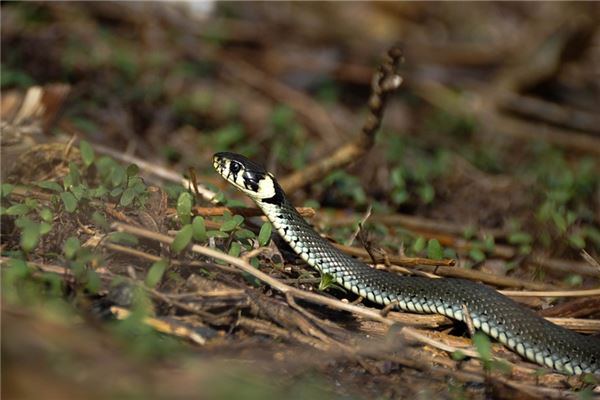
(495, 132)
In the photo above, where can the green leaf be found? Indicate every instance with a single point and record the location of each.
(127, 197)
(483, 345)
(242, 233)
(184, 207)
(458, 355)
(590, 379)
(327, 281)
(235, 249)
(118, 175)
(79, 191)
(519, 238)
(98, 192)
(419, 244)
(138, 187)
(426, 193)
(99, 219)
(199, 229)
(477, 255)
(593, 234)
(573, 280)
(45, 228)
(132, 170)
(6, 189)
(17, 209)
(116, 192)
(397, 177)
(560, 221)
(265, 234)
(469, 232)
(577, 241)
(93, 283)
(31, 203)
(216, 234)
(231, 224)
(70, 247)
(122, 237)
(87, 153)
(46, 214)
(30, 237)
(182, 239)
(434, 250)
(156, 272)
(69, 201)
(489, 243)
(74, 175)
(18, 267)
(48, 185)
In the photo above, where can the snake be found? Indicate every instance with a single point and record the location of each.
(514, 325)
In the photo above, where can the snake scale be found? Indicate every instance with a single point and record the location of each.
(517, 327)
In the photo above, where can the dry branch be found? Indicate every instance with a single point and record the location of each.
(306, 212)
(385, 81)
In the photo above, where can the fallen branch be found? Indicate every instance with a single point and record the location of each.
(385, 81)
(306, 212)
(440, 267)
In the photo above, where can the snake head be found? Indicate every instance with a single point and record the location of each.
(248, 177)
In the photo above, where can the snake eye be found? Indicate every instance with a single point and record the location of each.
(235, 167)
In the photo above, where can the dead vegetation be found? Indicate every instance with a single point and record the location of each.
(127, 271)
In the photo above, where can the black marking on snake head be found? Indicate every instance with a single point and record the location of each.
(250, 184)
(278, 198)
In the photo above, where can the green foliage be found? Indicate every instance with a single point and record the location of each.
(326, 282)
(6, 189)
(483, 345)
(71, 247)
(230, 137)
(17, 210)
(31, 232)
(235, 249)
(87, 153)
(347, 185)
(182, 238)
(522, 240)
(434, 250)
(184, 207)
(231, 223)
(458, 355)
(10, 78)
(413, 170)
(419, 244)
(49, 185)
(122, 237)
(265, 234)
(289, 141)
(156, 272)
(199, 229)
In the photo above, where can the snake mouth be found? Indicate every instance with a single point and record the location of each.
(217, 162)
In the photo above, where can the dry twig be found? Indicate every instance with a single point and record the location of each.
(386, 81)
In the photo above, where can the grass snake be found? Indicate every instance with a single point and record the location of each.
(514, 325)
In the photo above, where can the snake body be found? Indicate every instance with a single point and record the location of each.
(517, 327)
